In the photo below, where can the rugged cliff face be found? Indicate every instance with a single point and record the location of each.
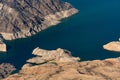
(22, 18)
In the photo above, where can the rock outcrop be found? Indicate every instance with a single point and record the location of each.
(22, 18)
(3, 47)
(56, 56)
(108, 69)
(112, 46)
(6, 69)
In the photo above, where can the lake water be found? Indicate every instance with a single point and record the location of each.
(84, 34)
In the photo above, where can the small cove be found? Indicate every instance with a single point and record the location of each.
(97, 23)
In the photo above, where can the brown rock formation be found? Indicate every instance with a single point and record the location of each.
(22, 18)
(6, 69)
(59, 55)
(112, 46)
(3, 47)
(55, 69)
(108, 69)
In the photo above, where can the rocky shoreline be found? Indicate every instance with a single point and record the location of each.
(26, 19)
(30, 17)
(55, 69)
(23, 18)
(50, 20)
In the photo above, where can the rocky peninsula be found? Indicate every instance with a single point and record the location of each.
(112, 46)
(59, 55)
(23, 18)
(60, 65)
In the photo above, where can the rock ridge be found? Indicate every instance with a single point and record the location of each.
(22, 18)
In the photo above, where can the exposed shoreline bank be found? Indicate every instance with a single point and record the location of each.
(57, 67)
(50, 20)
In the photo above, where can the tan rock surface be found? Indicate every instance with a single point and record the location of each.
(59, 55)
(23, 18)
(6, 69)
(112, 46)
(3, 47)
(108, 69)
(54, 69)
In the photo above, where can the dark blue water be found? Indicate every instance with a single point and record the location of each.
(84, 34)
